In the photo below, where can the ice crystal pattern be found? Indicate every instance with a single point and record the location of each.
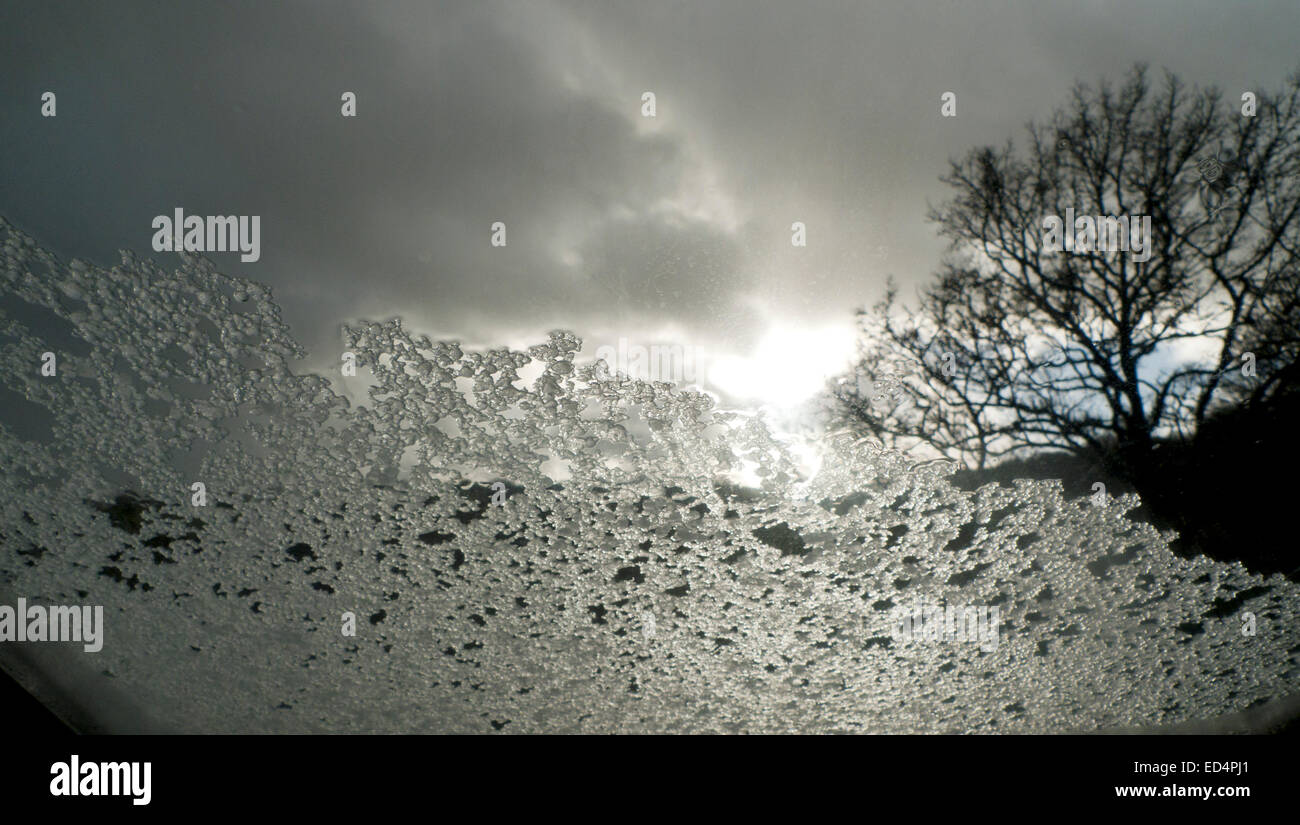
(771, 608)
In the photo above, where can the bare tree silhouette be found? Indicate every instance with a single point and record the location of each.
(1015, 348)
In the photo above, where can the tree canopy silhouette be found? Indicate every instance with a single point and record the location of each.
(1014, 348)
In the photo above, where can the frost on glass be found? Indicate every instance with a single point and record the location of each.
(626, 583)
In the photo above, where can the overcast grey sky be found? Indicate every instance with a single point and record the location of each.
(676, 227)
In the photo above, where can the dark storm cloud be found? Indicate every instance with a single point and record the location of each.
(237, 110)
(528, 113)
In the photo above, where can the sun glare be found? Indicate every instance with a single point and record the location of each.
(788, 367)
